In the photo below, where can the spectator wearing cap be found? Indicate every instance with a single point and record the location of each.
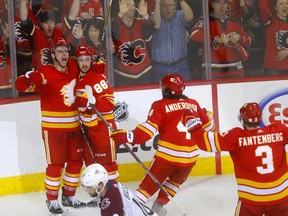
(169, 45)
(47, 30)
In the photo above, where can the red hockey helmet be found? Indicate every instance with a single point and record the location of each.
(174, 82)
(84, 51)
(250, 113)
(57, 42)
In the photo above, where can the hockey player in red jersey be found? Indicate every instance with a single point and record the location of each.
(60, 124)
(259, 158)
(113, 197)
(102, 146)
(176, 153)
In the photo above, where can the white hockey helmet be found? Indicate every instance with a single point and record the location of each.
(93, 175)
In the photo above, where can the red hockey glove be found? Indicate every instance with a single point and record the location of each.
(99, 67)
(122, 136)
(81, 102)
(34, 78)
(190, 120)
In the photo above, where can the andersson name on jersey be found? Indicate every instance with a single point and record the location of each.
(179, 106)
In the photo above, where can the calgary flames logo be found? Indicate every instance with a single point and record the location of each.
(131, 52)
(282, 37)
(45, 56)
(19, 34)
(3, 61)
(68, 93)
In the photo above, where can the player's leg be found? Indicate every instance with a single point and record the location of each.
(56, 156)
(280, 209)
(72, 171)
(177, 177)
(104, 152)
(104, 149)
(245, 209)
(148, 187)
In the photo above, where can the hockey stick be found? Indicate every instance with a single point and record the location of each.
(91, 99)
(86, 140)
(104, 27)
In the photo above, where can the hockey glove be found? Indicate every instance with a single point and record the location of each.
(99, 67)
(34, 78)
(81, 102)
(190, 120)
(122, 136)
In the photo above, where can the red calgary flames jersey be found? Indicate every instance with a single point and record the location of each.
(103, 94)
(92, 7)
(276, 38)
(259, 159)
(130, 47)
(56, 97)
(175, 146)
(221, 53)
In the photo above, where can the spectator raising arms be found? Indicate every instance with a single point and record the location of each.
(259, 158)
(48, 30)
(229, 42)
(176, 154)
(131, 60)
(88, 9)
(169, 45)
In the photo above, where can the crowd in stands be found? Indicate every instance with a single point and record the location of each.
(151, 39)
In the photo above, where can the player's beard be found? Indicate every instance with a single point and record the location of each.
(95, 195)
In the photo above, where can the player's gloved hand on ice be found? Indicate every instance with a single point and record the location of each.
(123, 136)
(34, 78)
(191, 120)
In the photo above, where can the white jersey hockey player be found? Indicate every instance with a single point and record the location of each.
(114, 198)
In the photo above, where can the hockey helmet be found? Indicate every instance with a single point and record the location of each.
(174, 82)
(84, 51)
(57, 42)
(93, 175)
(250, 113)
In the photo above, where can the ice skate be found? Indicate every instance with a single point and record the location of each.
(159, 209)
(54, 207)
(94, 203)
(72, 201)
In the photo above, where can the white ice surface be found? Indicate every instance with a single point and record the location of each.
(198, 196)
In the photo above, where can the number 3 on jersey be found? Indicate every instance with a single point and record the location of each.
(99, 87)
(267, 159)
